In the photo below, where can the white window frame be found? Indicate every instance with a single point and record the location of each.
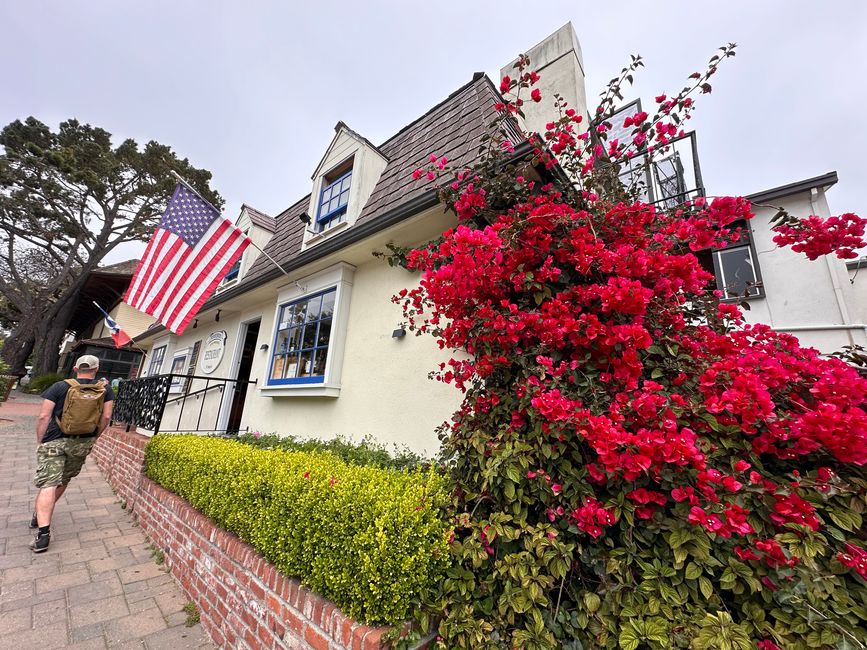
(340, 277)
(151, 370)
(178, 385)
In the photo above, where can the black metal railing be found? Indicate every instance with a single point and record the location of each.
(142, 402)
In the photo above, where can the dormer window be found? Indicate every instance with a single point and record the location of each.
(343, 181)
(334, 198)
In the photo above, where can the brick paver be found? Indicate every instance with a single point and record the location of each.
(97, 586)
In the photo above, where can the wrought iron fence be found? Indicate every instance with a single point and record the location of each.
(142, 402)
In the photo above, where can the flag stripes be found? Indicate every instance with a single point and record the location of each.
(187, 257)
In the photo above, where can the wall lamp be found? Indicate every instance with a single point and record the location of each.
(263, 347)
(217, 319)
(399, 333)
(195, 323)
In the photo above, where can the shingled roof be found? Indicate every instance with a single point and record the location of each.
(259, 218)
(126, 267)
(452, 128)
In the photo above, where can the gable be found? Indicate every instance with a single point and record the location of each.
(342, 184)
(343, 145)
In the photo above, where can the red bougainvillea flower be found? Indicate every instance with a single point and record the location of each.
(767, 644)
(815, 236)
(855, 558)
(592, 518)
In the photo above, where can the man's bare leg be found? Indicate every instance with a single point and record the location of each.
(45, 501)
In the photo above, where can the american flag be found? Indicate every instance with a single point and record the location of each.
(189, 254)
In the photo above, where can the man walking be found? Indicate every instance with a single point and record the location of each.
(74, 412)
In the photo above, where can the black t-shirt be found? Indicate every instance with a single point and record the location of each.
(57, 394)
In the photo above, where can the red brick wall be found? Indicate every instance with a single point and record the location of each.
(243, 601)
(120, 456)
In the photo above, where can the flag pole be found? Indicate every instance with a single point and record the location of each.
(273, 261)
(192, 189)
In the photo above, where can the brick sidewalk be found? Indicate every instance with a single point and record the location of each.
(97, 586)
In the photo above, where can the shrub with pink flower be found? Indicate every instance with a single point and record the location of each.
(630, 457)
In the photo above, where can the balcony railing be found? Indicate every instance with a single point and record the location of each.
(668, 177)
(189, 403)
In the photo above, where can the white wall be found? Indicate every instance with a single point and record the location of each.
(814, 301)
(384, 390)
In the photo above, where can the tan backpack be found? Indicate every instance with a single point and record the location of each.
(82, 408)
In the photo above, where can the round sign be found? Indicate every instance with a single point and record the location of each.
(215, 347)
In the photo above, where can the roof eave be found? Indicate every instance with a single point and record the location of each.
(824, 180)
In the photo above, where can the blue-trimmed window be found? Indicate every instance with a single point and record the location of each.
(233, 272)
(302, 340)
(333, 199)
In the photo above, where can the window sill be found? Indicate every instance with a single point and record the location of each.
(325, 234)
(742, 299)
(301, 390)
(225, 284)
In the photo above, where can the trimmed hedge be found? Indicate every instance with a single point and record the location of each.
(368, 539)
(367, 451)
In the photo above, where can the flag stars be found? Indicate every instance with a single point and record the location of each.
(188, 216)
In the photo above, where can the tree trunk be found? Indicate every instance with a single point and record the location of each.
(17, 348)
(48, 339)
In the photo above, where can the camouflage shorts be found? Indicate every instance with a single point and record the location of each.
(58, 461)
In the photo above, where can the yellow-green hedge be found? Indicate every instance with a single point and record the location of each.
(368, 539)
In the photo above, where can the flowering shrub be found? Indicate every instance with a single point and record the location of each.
(370, 540)
(633, 465)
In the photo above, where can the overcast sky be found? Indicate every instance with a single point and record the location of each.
(252, 90)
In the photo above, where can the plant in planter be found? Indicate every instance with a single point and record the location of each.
(633, 466)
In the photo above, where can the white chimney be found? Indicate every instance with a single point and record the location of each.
(560, 64)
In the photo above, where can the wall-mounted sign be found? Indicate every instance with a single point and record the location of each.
(213, 352)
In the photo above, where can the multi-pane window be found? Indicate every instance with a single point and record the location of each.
(333, 200)
(736, 268)
(156, 364)
(302, 339)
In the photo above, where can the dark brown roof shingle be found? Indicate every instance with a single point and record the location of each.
(259, 218)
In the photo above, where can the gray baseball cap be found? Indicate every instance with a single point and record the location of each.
(87, 362)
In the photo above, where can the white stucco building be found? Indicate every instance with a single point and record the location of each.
(320, 352)
(823, 302)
